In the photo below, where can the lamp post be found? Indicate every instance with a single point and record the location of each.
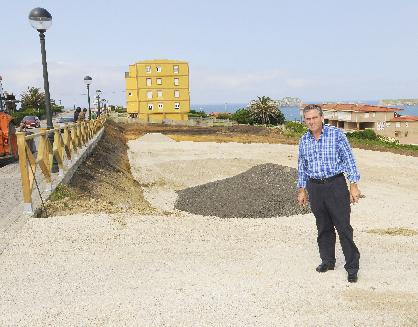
(41, 20)
(104, 101)
(87, 81)
(1, 95)
(98, 92)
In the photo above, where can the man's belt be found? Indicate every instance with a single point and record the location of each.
(325, 180)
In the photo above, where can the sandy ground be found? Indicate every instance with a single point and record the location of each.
(178, 269)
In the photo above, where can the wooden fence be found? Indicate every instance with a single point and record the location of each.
(68, 142)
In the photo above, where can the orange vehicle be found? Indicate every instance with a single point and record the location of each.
(8, 144)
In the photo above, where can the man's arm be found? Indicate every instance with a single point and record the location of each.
(350, 167)
(302, 178)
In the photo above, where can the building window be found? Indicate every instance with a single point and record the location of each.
(130, 94)
(159, 81)
(160, 106)
(398, 124)
(176, 93)
(176, 81)
(175, 69)
(148, 69)
(176, 105)
(374, 114)
(406, 125)
(150, 106)
(159, 94)
(366, 115)
(149, 82)
(159, 69)
(387, 124)
(149, 94)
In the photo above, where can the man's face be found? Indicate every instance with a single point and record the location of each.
(313, 120)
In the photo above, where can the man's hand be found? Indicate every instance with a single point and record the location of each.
(302, 197)
(354, 193)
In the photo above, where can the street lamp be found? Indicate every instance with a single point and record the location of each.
(98, 92)
(103, 103)
(41, 20)
(87, 81)
(1, 95)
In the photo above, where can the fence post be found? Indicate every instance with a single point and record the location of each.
(24, 175)
(57, 151)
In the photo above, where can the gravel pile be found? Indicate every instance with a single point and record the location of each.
(267, 190)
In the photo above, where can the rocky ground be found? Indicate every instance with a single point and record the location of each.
(266, 190)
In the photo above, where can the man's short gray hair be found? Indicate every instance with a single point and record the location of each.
(310, 107)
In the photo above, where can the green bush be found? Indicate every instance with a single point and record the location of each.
(295, 128)
(367, 134)
(224, 115)
(242, 116)
(120, 110)
(195, 113)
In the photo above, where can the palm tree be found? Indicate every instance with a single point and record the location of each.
(33, 98)
(264, 110)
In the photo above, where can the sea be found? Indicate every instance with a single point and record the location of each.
(291, 113)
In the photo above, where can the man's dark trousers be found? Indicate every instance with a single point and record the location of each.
(330, 203)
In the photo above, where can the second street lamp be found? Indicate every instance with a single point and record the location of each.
(87, 81)
(98, 92)
(41, 20)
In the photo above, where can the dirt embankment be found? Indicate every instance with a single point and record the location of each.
(103, 183)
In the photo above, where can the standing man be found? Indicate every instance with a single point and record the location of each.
(77, 114)
(324, 156)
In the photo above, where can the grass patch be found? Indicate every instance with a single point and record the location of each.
(61, 192)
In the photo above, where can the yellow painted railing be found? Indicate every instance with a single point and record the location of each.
(68, 142)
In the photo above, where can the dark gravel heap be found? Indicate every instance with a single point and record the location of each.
(263, 191)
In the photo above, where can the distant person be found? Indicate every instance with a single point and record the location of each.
(93, 115)
(324, 156)
(82, 115)
(77, 114)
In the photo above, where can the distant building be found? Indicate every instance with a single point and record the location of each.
(383, 120)
(158, 89)
(404, 128)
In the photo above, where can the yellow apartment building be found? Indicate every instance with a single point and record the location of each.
(158, 89)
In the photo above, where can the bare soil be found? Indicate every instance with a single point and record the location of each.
(237, 133)
(103, 183)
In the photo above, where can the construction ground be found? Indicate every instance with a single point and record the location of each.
(130, 241)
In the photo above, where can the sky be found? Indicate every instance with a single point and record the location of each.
(323, 50)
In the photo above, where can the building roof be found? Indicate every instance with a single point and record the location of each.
(405, 118)
(356, 107)
(161, 61)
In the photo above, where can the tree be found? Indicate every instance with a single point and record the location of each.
(33, 98)
(242, 116)
(264, 110)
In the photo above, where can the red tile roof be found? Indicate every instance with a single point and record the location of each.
(405, 118)
(356, 107)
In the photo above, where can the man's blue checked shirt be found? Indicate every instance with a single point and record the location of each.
(328, 156)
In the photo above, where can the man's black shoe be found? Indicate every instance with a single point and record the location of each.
(323, 267)
(352, 278)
